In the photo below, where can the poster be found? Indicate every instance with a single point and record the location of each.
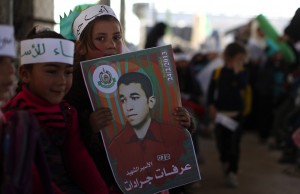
(147, 150)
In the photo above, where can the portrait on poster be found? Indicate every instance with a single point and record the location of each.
(148, 151)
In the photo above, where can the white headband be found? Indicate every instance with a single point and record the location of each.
(89, 15)
(43, 50)
(7, 41)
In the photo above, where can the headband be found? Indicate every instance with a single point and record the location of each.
(89, 15)
(43, 50)
(7, 41)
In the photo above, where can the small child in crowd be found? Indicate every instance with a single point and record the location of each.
(46, 74)
(227, 98)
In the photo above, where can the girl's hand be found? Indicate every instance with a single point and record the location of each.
(100, 118)
(183, 117)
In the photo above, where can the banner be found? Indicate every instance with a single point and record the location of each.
(147, 150)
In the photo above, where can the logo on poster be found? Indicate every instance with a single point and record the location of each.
(105, 78)
(163, 157)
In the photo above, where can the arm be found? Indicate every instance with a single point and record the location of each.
(80, 164)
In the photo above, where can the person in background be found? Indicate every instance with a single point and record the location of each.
(291, 35)
(155, 35)
(292, 31)
(7, 74)
(291, 153)
(190, 91)
(225, 100)
(46, 74)
(8, 79)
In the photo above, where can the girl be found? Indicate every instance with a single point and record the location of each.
(98, 33)
(46, 74)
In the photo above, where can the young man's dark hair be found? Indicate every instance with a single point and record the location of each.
(137, 77)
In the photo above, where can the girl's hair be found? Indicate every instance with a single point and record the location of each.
(139, 78)
(86, 35)
(233, 49)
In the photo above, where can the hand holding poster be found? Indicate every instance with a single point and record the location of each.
(148, 151)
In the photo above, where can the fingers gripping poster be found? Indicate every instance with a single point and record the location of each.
(147, 149)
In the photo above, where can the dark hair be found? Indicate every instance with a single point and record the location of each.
(86, 35)
(157, 32)
(137, 77)
(43, 33)
(233, 49)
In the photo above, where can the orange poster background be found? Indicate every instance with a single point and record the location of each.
(148, 61)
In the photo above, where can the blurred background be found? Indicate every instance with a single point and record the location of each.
(190, 23)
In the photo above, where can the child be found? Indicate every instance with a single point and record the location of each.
(46, 74)
(7, 73)
(99, 36)
(7, 68)
(225, 98)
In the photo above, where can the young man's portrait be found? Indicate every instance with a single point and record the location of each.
(145, 149)
(148, 148)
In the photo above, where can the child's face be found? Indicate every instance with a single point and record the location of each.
(107, 38)
(240, 59)
(7, 78)
(50, 81)
(237, 61)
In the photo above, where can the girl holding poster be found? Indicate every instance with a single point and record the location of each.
(98, 33)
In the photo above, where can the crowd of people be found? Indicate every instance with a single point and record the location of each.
(249, 85)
